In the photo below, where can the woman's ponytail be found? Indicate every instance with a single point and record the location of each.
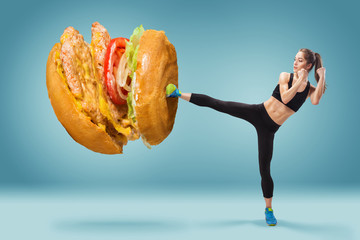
(318, 64)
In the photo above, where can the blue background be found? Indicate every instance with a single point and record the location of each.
(231, 50)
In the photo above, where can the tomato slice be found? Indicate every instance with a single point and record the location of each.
(113, 55)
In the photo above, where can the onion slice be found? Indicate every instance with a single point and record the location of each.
(120, 92)
(121, 76)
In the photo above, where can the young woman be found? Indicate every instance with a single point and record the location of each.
(288, 96)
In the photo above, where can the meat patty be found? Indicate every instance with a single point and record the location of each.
(77, 63)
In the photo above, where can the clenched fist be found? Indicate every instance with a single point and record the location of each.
(321, 72)
(303, 75)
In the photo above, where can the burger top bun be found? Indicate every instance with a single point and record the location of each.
(76, 123)
(156, 68)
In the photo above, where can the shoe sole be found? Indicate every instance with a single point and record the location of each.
(270, 224)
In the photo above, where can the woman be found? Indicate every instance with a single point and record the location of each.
(288, 96)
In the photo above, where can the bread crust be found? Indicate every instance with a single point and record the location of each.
(76, 123)
(156, 68)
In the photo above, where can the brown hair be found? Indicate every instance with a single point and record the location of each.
(315, 59)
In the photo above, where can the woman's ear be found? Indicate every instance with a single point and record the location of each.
(308, 67)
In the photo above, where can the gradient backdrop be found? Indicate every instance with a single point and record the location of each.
(231, 50)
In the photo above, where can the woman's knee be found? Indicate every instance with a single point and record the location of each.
(265, 171)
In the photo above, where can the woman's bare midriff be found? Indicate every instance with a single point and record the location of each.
(278, 111)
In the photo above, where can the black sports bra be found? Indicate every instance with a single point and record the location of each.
(297, 100)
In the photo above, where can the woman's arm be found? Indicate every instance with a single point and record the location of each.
(316, 94)
(286, 93)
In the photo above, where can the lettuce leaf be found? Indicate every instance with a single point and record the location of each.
(129, 101)
(132, 47)
(131, 52)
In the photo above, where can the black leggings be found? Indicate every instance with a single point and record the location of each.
(266, 128)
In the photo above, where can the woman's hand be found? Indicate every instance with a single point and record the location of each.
(303, 75)
(321, 72)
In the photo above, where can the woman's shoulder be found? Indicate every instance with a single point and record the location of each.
(284, 78)
(285, 74)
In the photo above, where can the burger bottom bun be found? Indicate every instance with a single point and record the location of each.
(156, 68)
(76, 123)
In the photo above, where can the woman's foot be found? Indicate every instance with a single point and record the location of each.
(172, 91)
(269, 217)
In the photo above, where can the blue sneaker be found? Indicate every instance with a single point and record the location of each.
(172, 91)
(269, 217)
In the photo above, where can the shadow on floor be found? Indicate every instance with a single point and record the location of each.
(119, 225)
(325, 230)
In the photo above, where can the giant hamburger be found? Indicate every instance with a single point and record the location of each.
(113, 90)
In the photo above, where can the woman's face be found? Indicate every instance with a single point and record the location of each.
(300, 62)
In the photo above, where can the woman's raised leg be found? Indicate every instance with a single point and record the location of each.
(248, 112)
